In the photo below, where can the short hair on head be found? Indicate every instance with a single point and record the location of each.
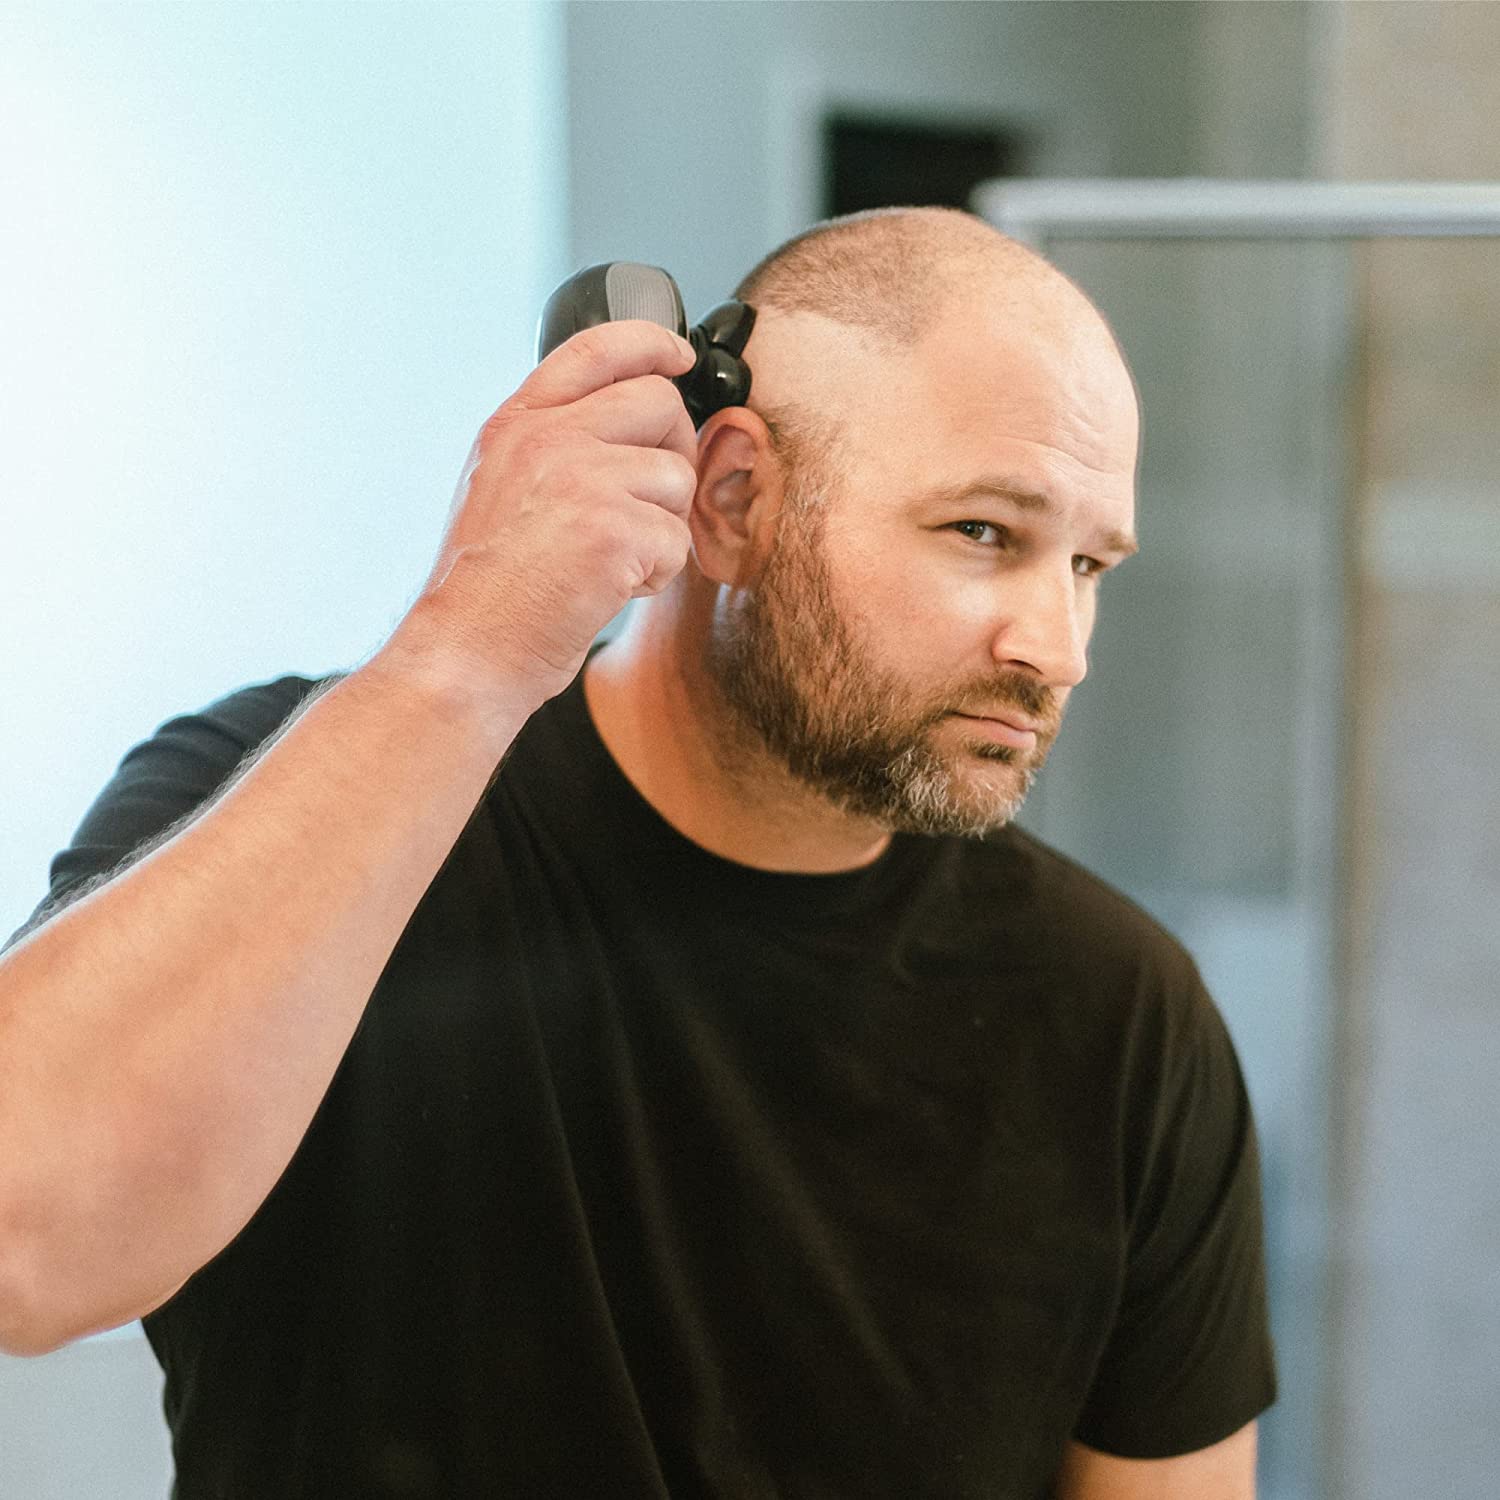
(885, 270)
(807, 447)
(889, 272)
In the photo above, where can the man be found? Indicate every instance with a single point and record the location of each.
(722, 1098)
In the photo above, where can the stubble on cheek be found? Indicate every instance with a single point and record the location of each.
(803, 671)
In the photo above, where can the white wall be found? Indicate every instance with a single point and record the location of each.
(263, 271)
(692, 125)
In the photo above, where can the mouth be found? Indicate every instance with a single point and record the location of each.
(1013, 729)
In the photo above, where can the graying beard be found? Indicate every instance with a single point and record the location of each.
(920, 799)
(910, 792)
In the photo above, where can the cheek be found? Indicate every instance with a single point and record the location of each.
(1089, 612)
(883, 608)
(915, 617)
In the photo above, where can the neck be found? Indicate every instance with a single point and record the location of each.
(659, 715)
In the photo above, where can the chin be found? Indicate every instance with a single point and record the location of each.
(962, 804)
(997, 793)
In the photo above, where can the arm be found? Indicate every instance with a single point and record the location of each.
(1225, 1471)
(166, 1039)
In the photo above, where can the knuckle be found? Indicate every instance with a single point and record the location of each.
(499, 422)
(681, 477)
(507, 459)
(606, 532)
(682, 469)
(532, 448)
(514, 429)
(671, 555)
(666, 395)
(591, 350)
(584, 344)
(648, 399)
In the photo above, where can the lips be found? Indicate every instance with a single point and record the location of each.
(1013, 719)
(1014, 731)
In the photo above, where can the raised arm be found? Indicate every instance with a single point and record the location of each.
(166, 1038)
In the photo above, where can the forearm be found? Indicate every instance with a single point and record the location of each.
(165, 1041)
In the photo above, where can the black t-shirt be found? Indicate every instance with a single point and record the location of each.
(648, 1174)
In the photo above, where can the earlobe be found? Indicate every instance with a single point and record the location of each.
(739, 488)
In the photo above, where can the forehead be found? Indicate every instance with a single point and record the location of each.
(1051, 411)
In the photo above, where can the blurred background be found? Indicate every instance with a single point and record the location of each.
(265, 268)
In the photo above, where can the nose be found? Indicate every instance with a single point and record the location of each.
(1045, 619)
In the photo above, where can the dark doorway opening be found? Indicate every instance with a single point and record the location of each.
(880, 162)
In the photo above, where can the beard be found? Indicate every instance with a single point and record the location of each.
(792, 669)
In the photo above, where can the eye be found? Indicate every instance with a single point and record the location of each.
(1089, 567)
(975, 531)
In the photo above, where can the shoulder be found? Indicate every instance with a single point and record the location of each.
(1103, 982)
(1068, 919)
(239, 721)
(164, 779)
(191, 755)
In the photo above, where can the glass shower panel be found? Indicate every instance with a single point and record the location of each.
(1199, 769)
(1418, 1215)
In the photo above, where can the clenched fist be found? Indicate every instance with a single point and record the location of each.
(574, 500)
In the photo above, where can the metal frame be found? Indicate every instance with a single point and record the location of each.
(1208, 208)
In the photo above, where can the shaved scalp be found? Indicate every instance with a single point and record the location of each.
(890, 271)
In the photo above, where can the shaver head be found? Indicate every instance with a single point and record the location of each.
(622, 289)
(605, 294)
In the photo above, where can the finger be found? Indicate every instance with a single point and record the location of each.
(597, 357)
(654, 475)
(672, 540)
(646, 412)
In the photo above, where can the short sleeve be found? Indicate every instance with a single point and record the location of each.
(165, 779)
(1189, 1359)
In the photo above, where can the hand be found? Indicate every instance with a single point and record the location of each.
(573, 501)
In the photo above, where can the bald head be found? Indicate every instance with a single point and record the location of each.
(850, 303)
(892, 272)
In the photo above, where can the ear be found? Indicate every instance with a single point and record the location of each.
(738, 499)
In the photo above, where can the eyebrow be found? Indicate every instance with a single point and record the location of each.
(1034, 502)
